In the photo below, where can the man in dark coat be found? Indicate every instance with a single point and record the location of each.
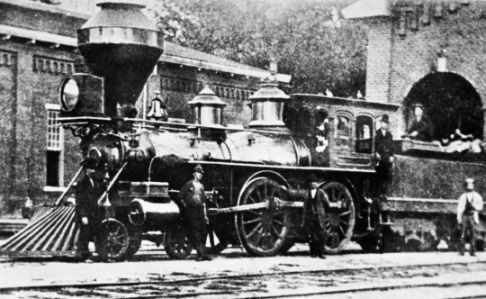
(88, 214)
(313, 221)
(421, 128)
(193, 212)
(384, 156)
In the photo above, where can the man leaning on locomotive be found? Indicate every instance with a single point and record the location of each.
(384, 157)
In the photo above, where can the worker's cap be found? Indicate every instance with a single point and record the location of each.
(199, 169)
(468, 180)
(384, 118)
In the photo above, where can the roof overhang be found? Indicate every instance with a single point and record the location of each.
(367, 9)
(191, 62)
(37, 36)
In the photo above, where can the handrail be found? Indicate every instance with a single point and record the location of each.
(71, 183)
(112, 183)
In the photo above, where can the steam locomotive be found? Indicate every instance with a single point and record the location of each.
(255, 177)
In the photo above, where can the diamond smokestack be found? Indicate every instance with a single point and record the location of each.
(121, 45)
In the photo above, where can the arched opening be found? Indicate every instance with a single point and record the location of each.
(450, 102)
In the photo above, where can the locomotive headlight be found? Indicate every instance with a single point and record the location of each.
(69, 94)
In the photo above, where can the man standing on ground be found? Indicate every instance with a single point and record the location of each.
(314, 218)
(88, 214)
(469, 205)
(194, 217)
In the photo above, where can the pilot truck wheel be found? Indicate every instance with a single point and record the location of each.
(177, 245)
(113, 241)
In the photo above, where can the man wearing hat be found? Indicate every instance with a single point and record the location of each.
(193, 212)
(421, 128)
(313, 219)
(384, 155)
(469, 205)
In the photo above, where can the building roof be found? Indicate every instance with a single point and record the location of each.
(173, 53)
(367, 9)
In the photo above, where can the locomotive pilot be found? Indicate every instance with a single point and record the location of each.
(88, 214)
(469, 205)
(313, 220)
(193, 212)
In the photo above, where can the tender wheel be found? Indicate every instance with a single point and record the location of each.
(262, 232)
(113, 240)
(177, 245)
(340, 219)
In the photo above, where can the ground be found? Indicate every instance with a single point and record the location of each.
(236, 275)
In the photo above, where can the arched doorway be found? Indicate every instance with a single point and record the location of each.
(450, 102)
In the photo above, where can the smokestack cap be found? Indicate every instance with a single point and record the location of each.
(121, 45)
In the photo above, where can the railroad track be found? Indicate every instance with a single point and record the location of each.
(317, 283)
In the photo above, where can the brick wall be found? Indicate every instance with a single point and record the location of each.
(29, 77)
(378, 60)
(414, 53)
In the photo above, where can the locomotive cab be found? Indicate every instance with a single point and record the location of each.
(339, 132)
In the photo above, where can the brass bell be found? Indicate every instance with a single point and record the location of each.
(157, 109)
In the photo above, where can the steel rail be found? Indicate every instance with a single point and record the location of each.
(87, 285)
(385, 287)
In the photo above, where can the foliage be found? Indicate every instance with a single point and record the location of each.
(318, 50)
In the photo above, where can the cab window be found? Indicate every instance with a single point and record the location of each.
(364, 134)
(343, 130)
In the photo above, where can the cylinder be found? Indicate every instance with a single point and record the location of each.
(153, 216)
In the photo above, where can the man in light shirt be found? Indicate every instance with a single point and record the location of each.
(469, 205)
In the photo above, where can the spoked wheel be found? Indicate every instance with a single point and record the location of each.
(339, 220)
(177, 245)
(262, 231)
(113, 240)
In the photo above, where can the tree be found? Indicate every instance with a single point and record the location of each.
(305, 36)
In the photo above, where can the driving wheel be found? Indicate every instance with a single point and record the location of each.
(262, 231)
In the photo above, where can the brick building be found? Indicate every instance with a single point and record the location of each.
(37, 49)
(431, 52)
